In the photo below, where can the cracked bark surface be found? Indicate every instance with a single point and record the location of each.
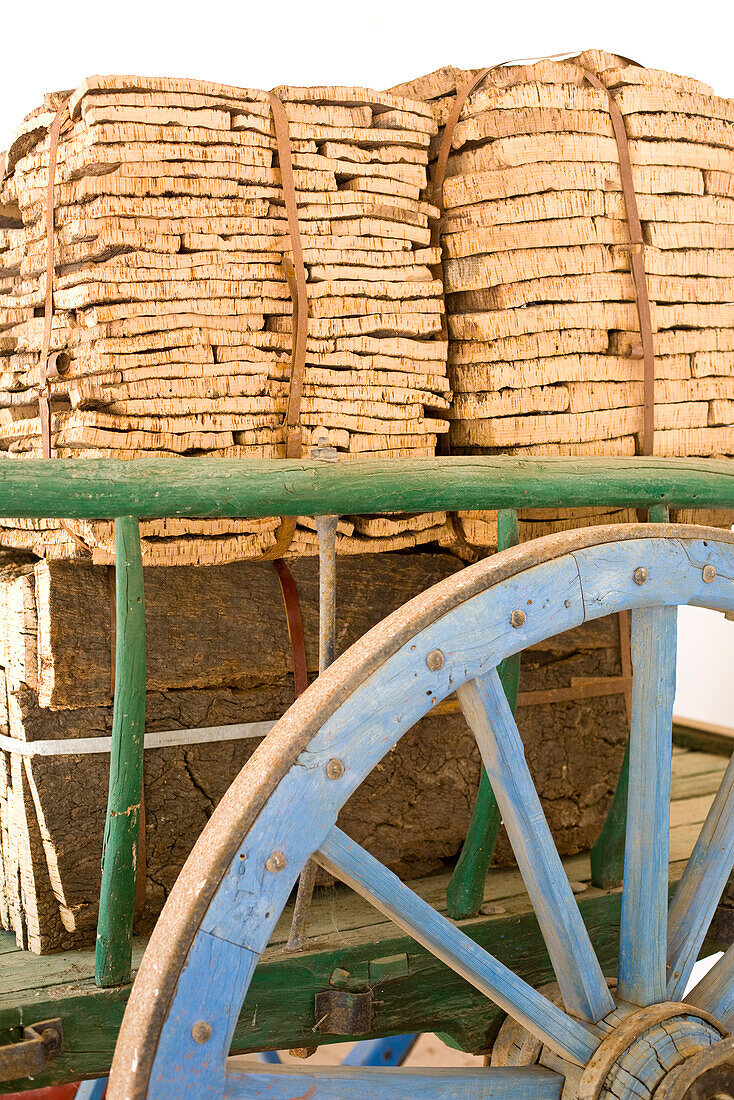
(412, 812)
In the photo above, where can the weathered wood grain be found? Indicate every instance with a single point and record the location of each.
(487, 711)
(643, 935)
(86, 488)
(364, 874)
(121, 848)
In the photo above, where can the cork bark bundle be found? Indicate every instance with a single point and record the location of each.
(172, 299)
(171, 295)
(545, 352)
(413, 811)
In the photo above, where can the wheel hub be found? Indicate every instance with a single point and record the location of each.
(664, 1052)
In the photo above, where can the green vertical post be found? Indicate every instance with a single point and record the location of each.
(465, 891)
(607, 855)
(658, 513)
(119, 853)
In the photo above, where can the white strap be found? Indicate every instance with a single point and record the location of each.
(71, 746)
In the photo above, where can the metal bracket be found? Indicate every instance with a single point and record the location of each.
(39, 1047)
(340, 1012)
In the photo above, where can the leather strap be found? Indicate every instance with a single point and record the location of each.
(295, 626)
(295, 272)
(44, 405)
(51, 365)
(445, 148)
(637, 264)
(455, 524)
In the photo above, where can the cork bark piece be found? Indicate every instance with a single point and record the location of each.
(470, 183)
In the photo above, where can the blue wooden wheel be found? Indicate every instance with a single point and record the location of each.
(585, 1039)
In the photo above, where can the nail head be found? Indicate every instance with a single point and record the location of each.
(708, 573)
(435, 660)
(335, 768)
(517, 618)
(201, 1032)
(640, 575)
(275, 862)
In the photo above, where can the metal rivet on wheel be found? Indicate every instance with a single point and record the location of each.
(708, 573)
(640, 575)
(434, 660)
(335, 768)
(201, 1032)
(517, 618)
(275, 862)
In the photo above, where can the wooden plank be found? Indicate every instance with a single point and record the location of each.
(695, 786)
(488, 714)
(367, 876)
(120, 850)
(427, 996)
(331, 1083)
(704, 736)
(644, 899)
(87, 489)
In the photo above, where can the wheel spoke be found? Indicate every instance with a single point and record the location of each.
(643, 932)
(328, 1083)
(715, 992)
(701, 886)
(368, 877)
(577, 969)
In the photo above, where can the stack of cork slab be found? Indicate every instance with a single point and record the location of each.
(172, 301)
(545, 350)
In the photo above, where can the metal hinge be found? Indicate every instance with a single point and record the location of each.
(38, 1048)
(340, 1012)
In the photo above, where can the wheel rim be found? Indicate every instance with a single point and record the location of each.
(283, 808)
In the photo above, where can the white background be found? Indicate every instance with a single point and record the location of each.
(262, 43)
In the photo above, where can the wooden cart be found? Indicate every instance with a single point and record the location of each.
(215, 978)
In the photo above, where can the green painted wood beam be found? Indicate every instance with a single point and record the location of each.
(279, 1010)
(607, 855)
(465, 890)
(153, 488)
(120, 849)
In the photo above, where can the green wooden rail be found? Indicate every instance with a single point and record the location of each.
(156, 488)
(200, 488)
(122, 828)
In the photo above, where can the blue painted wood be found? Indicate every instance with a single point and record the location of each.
(270, 1057)
(91, 1090)
(210, 993)
(643, 928)
(715, 992)
(522, 1083)
(582, 983)
(474, 637)
(381, 1052)
(674, 568)
(305, 804)
(700, 888)
(355, 866)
